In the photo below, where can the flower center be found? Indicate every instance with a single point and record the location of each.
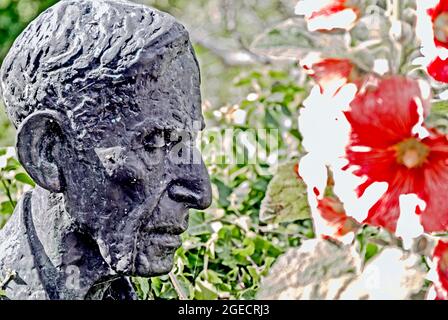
(411, 153)
(444, 262)
(441, 27)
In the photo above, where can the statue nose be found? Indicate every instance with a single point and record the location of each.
(195, 190)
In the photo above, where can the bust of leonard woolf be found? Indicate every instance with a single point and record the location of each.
(106, 98)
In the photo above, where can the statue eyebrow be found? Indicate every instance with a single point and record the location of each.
(147, 127)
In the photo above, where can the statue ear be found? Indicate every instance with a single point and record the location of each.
(39, 144)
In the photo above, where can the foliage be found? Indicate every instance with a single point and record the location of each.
(259, 207)
(370, 70)
(14, 17)
(7, 131)
(286, 196)
(227, 249)
(13, 182)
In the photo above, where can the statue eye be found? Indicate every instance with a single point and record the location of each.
(173, 137)
(126, 176)
(155, 139)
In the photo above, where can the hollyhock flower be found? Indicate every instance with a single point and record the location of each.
(328, 14)
(331, 73)
(432, 29)
(440, 258)
(332, 211)
(388, 143)
(438, 69)
(439, 19)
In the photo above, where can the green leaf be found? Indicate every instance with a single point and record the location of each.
(213, 277)
(197, 224)
(156, 286)
(224, 192)
(162, 288)
(168, 292)
(316, 264)
(278, 75)
(246, 251)
(270, 121)
(438, 118)
(269, 261)
(186, 286)
(296, 134)
(371, 251)
(253, 273)
(12, 165)
(7, 208)
(204, 290)
(248, 294)
(441, 106)
(286, 197)
(24, 178)
(143, 287)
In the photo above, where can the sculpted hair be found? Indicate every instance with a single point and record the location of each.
(85, 56)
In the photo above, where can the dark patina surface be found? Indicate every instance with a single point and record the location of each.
(106, 98)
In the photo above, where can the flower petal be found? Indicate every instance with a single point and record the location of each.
(331, 74)
(440, 258)
(435, 216)
(333, 212)
(438, 69)
(382, 118)
(327, 14)
(385, 111)
(439, 17)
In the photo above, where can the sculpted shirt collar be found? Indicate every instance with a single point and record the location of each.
(73, 277)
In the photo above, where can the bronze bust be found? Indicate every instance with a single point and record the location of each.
(106, 98)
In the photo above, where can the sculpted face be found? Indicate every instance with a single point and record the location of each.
(131, 187)
(106, 98)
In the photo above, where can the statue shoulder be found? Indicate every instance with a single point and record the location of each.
(13, 234)
(18, 273)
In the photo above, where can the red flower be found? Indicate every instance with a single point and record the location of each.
(331, 73)
(333, 212)
(316, 10)
(441, 259)
(332, 7)
(438, 69)
(384, 148)
(439, 17)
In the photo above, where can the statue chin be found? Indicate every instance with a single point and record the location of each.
(154, 267)
(156, 256)
(146, 267)
(153, 258)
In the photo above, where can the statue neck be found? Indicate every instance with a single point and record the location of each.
(69, 262)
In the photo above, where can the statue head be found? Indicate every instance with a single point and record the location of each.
(105, 95)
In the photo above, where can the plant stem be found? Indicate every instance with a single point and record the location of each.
(396, 49)
(396, 10)
(8, 192)
(177, 286)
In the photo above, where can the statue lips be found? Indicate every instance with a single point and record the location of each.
(165, 235)
(167, 241)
